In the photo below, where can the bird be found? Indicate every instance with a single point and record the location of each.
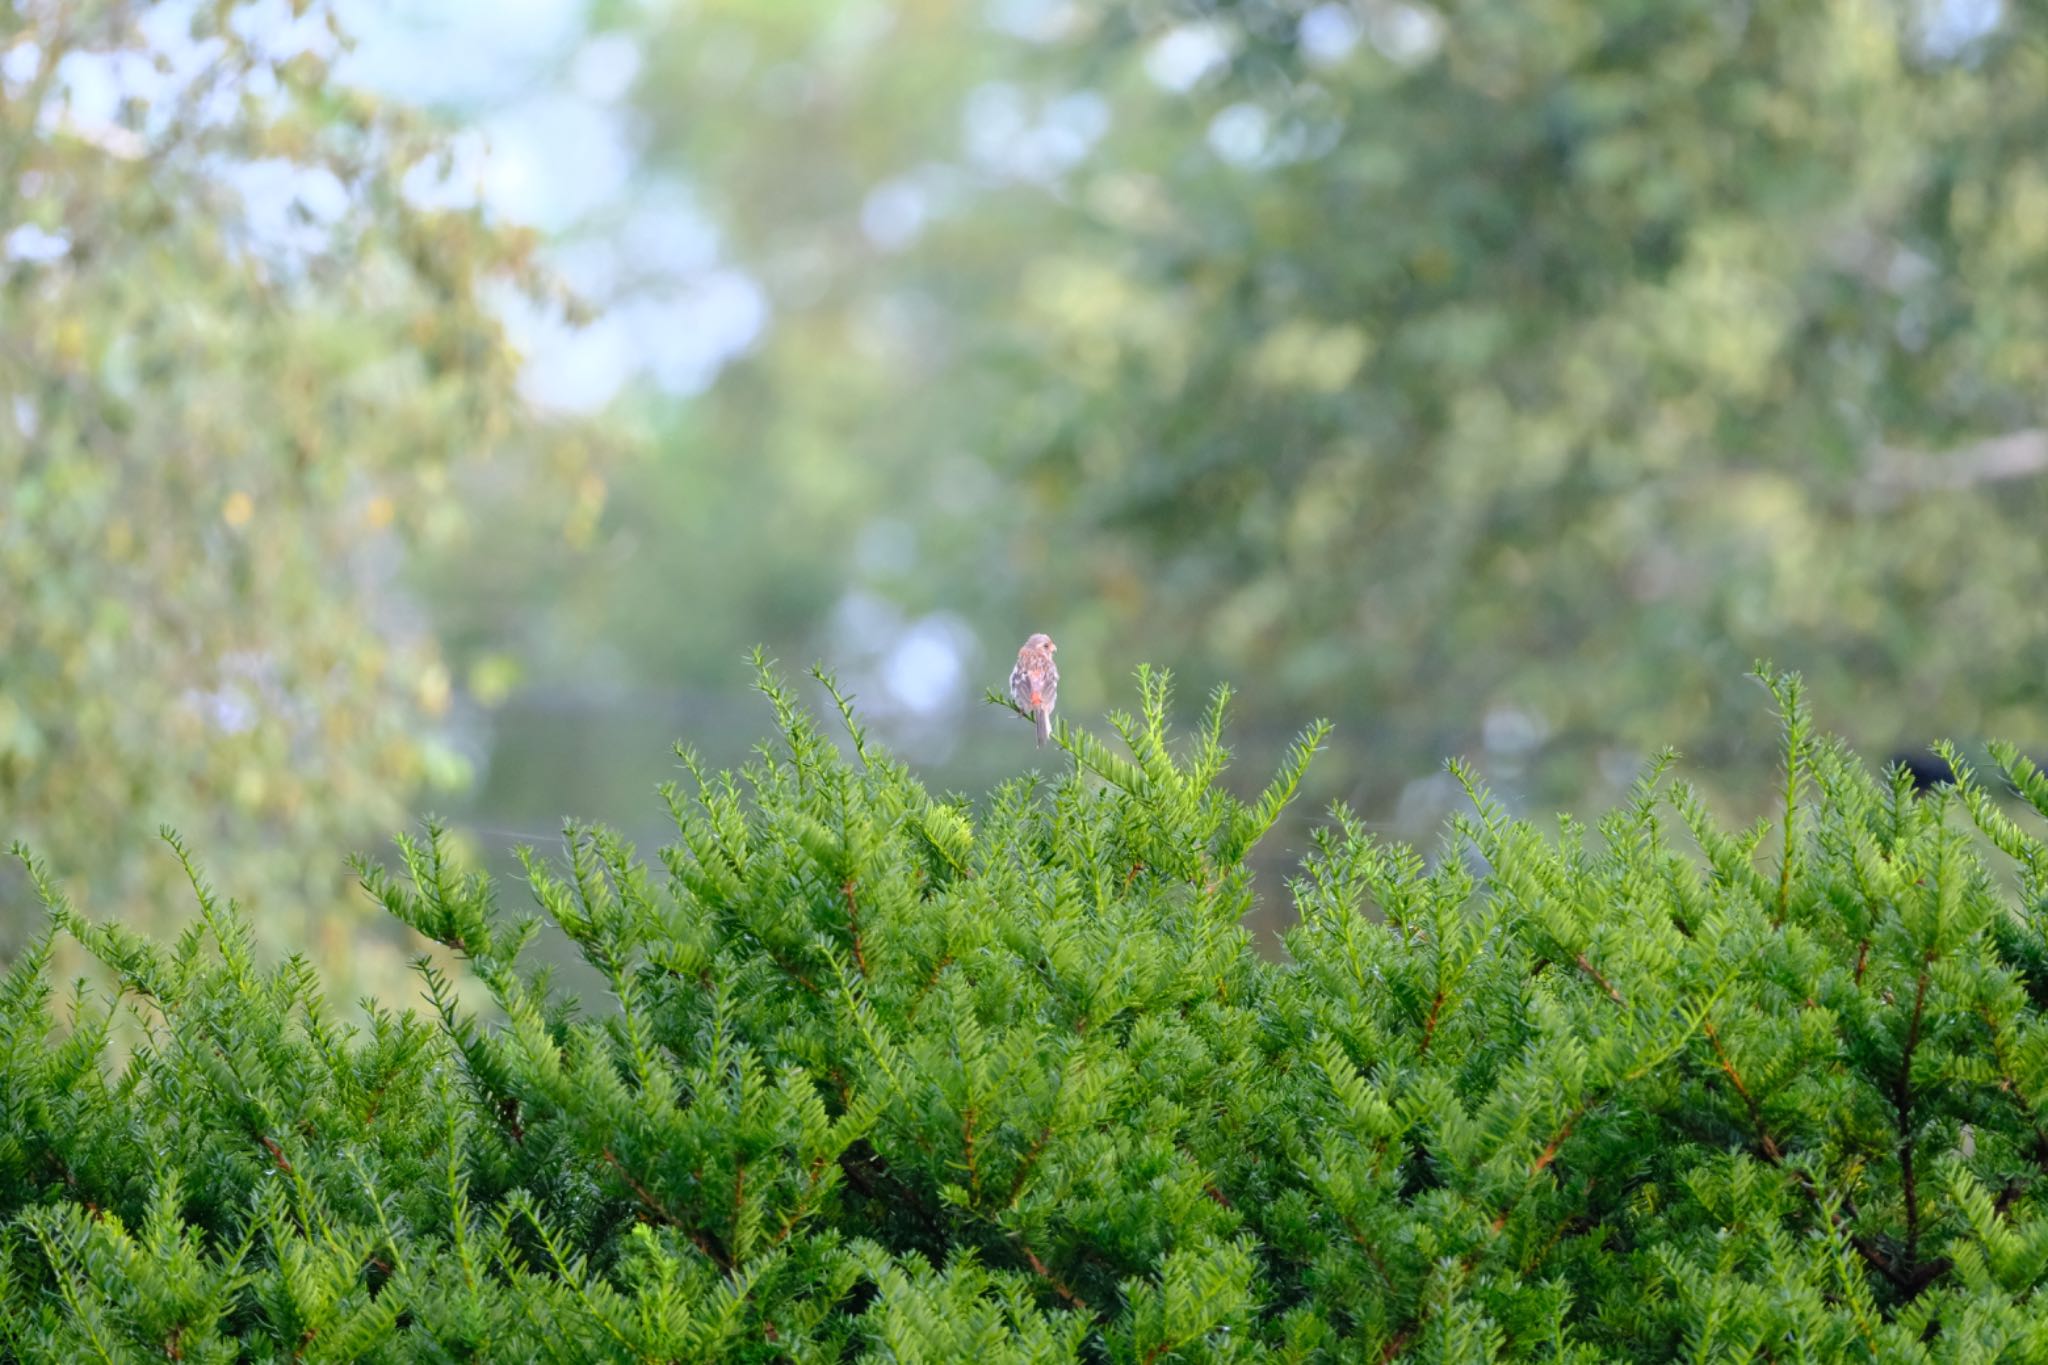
(1035, 682)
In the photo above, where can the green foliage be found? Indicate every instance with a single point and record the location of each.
(240, 375)
(889, 1077)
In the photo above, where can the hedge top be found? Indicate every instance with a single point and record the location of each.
(888, 1077)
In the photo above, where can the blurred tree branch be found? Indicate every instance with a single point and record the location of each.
(1899, 473)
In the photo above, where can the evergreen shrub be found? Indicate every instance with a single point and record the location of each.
(892, 1077)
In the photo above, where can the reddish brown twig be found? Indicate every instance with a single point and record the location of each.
(276, 1152)
(1059, 1286)
(1586, 966)
(860, 958)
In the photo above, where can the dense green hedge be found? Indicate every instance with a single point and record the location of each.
(892, 1077)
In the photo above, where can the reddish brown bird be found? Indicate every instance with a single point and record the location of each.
(1035, 682)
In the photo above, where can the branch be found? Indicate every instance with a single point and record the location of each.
(1756, 1113)
(995, 698)
(1903, 1101)
(1436, 1005)
(270, 1145)
(2008, 1082)
(659, 1212)
(860, 958)
(1059, 1286)
(1585, 965)
(1896, 473)
(1911, 1279)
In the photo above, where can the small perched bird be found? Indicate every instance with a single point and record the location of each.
(1035, 682)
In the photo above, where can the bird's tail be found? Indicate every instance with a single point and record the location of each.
(1043, 715)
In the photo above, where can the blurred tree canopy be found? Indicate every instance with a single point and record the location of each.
(244, 364)
(1499, 375)
(1502, 373)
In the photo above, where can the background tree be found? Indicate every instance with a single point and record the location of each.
(243, 366)
(1491, 377)
(1498, 375)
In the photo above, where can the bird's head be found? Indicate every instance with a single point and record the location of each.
(1041, 641)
